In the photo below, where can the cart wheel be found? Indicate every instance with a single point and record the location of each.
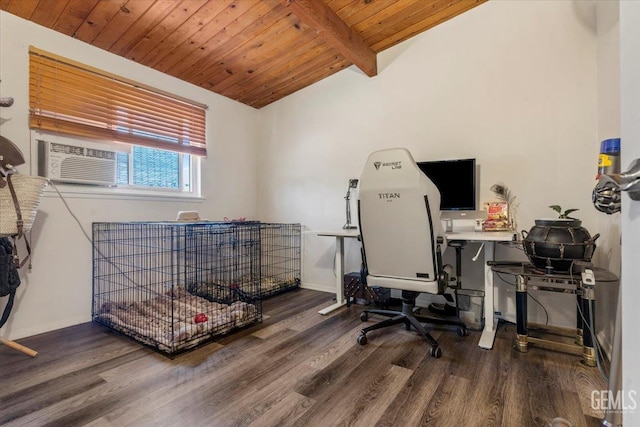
(462, 331)
(435, 352)
(364, 316)
(362, 339)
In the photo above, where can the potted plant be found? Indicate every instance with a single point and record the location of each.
(561, 214)
(554, 245)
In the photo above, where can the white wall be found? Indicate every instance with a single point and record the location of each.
(57, 292)
(512, 84)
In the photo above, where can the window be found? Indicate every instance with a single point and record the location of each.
(163, 133)
(153, 168)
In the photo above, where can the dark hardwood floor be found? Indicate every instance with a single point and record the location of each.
(296, 368)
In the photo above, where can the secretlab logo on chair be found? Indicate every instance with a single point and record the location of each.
(393, 165)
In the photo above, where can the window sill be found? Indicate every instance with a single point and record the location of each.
(91, 192)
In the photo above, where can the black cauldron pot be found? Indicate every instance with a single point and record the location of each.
(553, 245)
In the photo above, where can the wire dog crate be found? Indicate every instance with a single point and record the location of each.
(280, 258)
(172, 285)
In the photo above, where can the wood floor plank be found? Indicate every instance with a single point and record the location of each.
(577, 378)
(336, 349)
(372, 405)
(296, 368)
(100, 400)
(446, 407)
(92, 403)
(322, 384)
(289, 360)
(345, 383)
(297, 322)
(258, 399)
(250, 372)
(516, 405)
(56, 362)
(100, 422)
(285, 413)
(542, 389)
(486, 398)
(411, 403)
(41, 396)
(219, 368)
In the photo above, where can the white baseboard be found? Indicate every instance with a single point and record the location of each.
(321, 288)
(35, 330)
(605, 344)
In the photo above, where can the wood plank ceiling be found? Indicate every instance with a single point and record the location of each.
(252, 51)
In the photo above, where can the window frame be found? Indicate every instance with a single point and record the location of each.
(117, 192)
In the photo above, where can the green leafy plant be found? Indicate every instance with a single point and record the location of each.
(561, 214)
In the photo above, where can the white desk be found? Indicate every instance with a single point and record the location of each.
(339, 235)
(489, 238)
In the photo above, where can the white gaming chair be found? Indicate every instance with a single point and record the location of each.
(402, 239)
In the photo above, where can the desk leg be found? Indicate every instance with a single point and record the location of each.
(489, 331)
(340, 300)
(579, 322)
(522, 342)
(588, 311)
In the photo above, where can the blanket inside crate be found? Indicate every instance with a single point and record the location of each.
(244, 289)
(174, 320)
(272, 284)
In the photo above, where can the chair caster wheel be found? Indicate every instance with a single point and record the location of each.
(362, 339)
(364, 316)
(462, 331)
(435, 352)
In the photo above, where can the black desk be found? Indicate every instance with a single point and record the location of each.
(528, 277)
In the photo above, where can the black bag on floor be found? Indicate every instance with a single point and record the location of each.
(9, 277)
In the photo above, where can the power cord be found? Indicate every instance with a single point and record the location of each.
(72, 214)
(589, 325)
(86, 235)
(546, 313)
(513, 245)
(591, 330)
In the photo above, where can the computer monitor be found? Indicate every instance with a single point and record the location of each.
(456, 180)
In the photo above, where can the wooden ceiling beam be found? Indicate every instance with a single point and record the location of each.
(336, 32)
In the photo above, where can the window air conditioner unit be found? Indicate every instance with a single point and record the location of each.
(79, 163)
